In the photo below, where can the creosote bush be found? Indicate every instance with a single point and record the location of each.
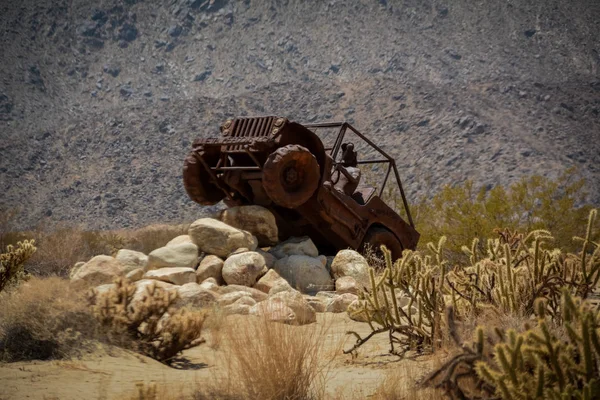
(144, 320)
(463, 212)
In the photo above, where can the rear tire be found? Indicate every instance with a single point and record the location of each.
(377, 236)
(290, 176)
(197, 181)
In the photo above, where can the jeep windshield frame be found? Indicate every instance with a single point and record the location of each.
(386, 159)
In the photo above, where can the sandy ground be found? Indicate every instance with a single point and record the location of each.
(114, 374)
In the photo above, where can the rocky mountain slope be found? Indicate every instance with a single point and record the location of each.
(100, 101)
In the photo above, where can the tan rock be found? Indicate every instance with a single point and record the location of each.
(183, 255)
(243, 268)
(98, 270)
(274, 311)
(254, 293)
(270, 279)
(176, 276)
(346, 284)
(193, 294)
(305, 314)
(132, 259)
(351, 263)
(316, 304)
(210, 267)
(257, 220)
(341, 303)
(215, 237)
(181, 239)
(135, 275)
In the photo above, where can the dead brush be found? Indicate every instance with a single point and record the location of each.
(275, 361)
(145, 320)
(44, 319)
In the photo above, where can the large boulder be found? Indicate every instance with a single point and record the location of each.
(132, 259)
(98, 270)
(193, 294)
(176, 276)
(301, 246)
(181, 239)
(183, 255)
(215, 237)
(255, 219)
(351, 263)
(269, 280)
(304, 273)
(243, 269)
(210, 267)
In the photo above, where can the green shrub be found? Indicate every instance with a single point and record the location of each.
(463, 212)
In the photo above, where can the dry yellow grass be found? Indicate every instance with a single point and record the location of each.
(63, 246)
(43, 319)
(273, 361)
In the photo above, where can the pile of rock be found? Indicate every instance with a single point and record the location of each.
(235, 263)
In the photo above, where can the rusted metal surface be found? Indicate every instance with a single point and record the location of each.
(284, 166)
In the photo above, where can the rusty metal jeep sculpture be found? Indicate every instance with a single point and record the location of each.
(311, 189)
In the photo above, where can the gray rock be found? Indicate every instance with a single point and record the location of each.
(302, 246)
(304, 273)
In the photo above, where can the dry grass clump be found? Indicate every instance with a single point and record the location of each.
(145, 321)
(275, 361)
(64, 245)
(44, 319)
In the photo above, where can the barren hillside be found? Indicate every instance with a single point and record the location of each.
(100, 100)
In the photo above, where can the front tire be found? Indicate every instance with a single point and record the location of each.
(197, 180)
(291, 176)
(377, 236)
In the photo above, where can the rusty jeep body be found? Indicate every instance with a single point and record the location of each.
(312, 187)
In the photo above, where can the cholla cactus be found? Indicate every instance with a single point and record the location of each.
(419, 280)
(13, 260)
(539, 364)
(148, 324)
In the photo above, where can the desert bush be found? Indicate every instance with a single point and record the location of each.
(508, 277)
(12, 263)
(44, 319)
(276, 361)
(463, 212)
(147, 324)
